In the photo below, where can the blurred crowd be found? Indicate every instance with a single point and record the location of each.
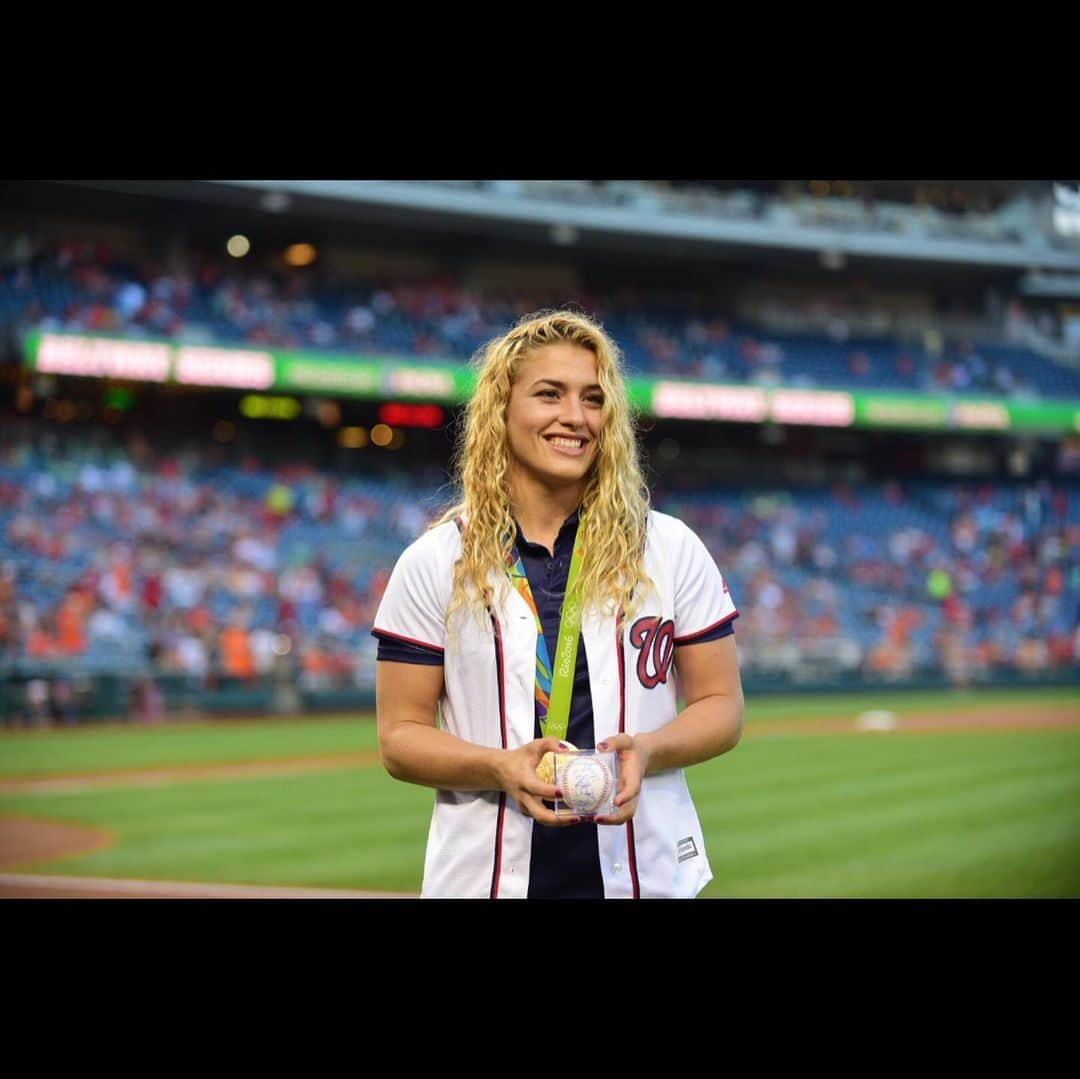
(136, 560)
(86, 287)
(894, 581)
(130, 558)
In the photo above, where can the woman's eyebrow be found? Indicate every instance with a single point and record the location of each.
(562, 385)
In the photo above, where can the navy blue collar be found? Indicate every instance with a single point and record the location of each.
(566, 530)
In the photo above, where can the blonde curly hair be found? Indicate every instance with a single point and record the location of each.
(615, 504)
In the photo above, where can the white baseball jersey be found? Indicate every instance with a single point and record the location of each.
(479, 842)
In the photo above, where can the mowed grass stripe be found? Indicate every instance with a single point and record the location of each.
(892, 821)
(961, 827)
(866, 771)
(79, 751)
(1033, 857)
(785, 764)
(318, 831)
(94, 749)
(367, 796)
(1031, 854)
(765, 774)
(811, 706)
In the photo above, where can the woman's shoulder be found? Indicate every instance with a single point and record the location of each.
(667, 528)
(440, 543)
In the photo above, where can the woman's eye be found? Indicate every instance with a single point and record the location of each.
(548, 393)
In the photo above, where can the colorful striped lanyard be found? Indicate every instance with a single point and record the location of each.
(553, 687)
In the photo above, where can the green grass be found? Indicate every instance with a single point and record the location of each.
(106, 748)
(349, 829)
(937, 815)
(90, 749)
(991, 813)
(808, 706)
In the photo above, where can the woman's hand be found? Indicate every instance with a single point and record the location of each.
(633, 764)
(517, 776)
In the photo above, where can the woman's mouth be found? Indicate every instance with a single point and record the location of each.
(566, 444)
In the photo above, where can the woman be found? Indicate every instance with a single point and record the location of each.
(553, 501)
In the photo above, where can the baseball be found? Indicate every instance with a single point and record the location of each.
(545, 770)
(585, 784)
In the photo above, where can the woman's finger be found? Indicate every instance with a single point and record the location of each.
(615, 743)
(546, 791)
(621, 816)
(536, 809)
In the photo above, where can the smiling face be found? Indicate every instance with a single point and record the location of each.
(554, 418)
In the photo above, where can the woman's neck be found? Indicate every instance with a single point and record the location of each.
(541, 511)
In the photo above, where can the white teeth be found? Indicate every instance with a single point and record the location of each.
(569, 443)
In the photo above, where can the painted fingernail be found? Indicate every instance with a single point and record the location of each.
(602, 746)
(564, 745)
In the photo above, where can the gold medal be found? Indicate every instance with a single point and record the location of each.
(545, 770)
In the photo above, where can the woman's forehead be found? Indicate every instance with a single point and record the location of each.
(561, 362)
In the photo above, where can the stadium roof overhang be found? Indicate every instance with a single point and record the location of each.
(464, 209)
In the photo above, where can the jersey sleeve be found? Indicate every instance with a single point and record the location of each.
(413, 607)
(704, 608)
(395, 650)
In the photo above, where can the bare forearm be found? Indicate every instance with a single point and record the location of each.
(420, 753)
(705, 729)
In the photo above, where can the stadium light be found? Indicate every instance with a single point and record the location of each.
(120, 398)
(352, 438)
(328, 413)
(564, 234)
(397, 414)
(256, 406)
(238, 246)
(300, 254)
(381, 435)
(276, 202)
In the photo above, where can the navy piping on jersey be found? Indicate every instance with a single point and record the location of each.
(496, 872)
(724, 627)
(631, 850)
(396, 648)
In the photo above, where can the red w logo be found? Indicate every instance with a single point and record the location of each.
(655, 640)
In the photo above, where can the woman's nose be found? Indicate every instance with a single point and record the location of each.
(572, 413)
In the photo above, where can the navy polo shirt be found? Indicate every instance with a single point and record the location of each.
(565, 862)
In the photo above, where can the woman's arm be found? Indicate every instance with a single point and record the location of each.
(710, 723)
(712, 719)
(415, 750)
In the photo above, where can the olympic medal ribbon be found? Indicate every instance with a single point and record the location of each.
(554, 683)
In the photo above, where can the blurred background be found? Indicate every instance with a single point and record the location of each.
(227, 406)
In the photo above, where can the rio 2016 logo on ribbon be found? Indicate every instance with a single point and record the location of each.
(655, 640)
(568, 651)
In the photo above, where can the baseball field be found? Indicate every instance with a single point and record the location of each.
(890, 794)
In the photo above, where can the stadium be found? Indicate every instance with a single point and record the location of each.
(228, 406)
